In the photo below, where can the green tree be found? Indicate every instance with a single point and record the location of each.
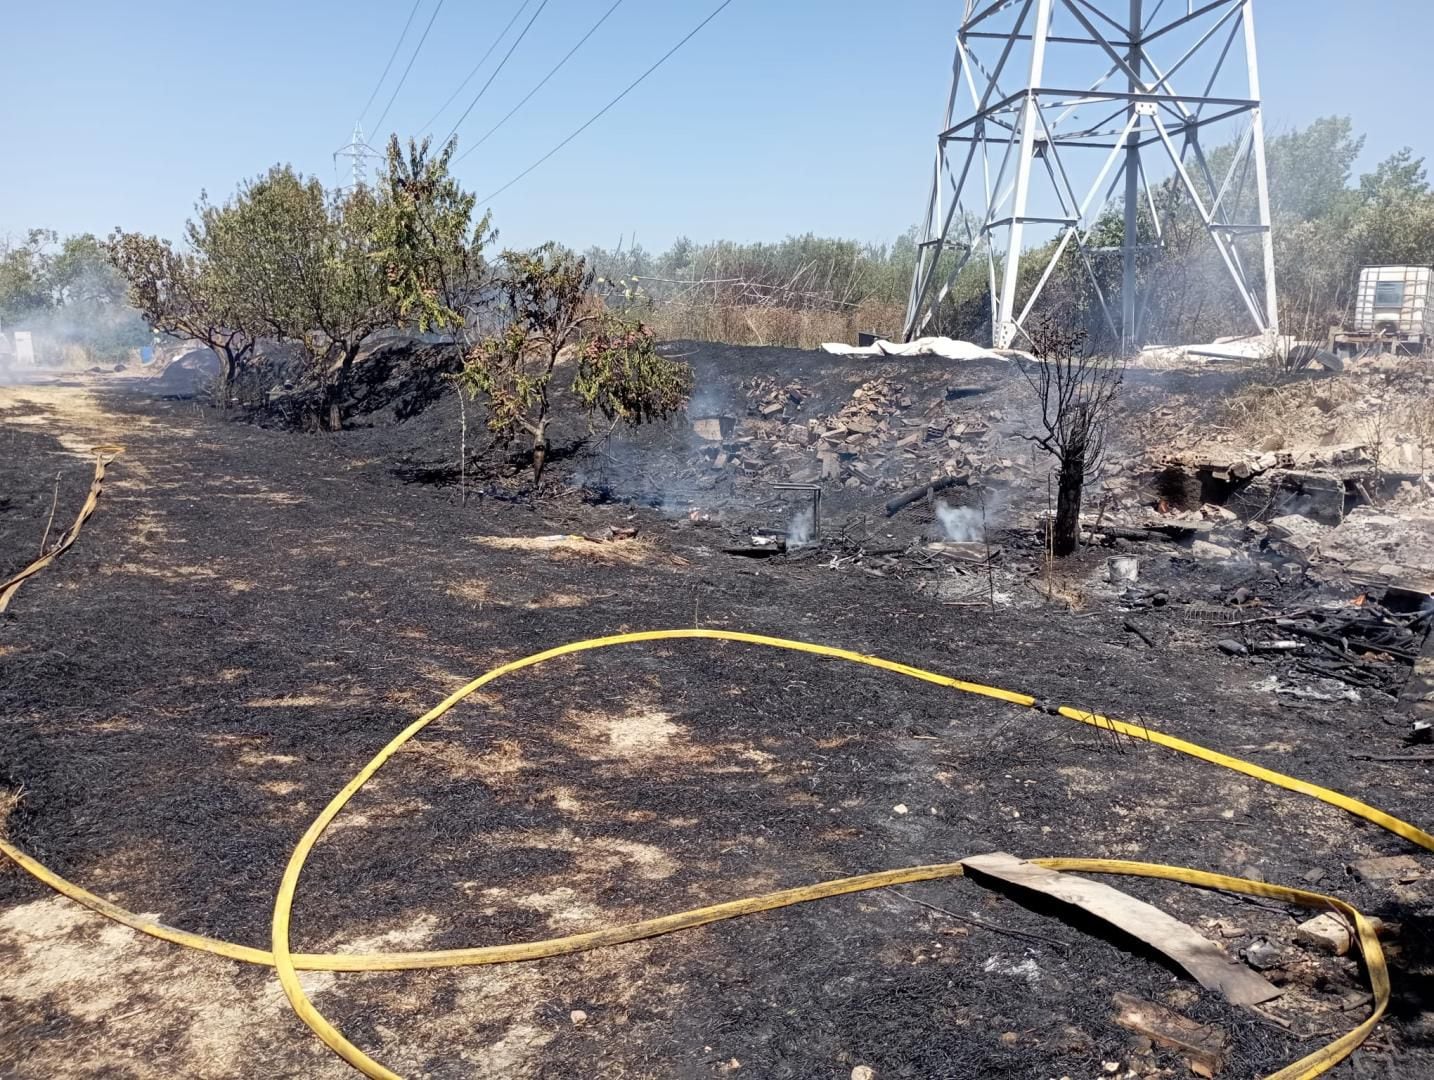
(1401, 175)
(284, 259)
(69, 295)
(1309, 168)
(1324, 229)
(543, 295)
(81, 273)
(352, 299)
(622, 375)
(24, 275)
(305, 267)
(547, 301)
(1394, 223)
(431, 249)
(179, 293)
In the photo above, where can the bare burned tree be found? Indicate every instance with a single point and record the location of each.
(1077, 393)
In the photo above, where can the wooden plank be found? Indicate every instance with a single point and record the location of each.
(1203, 1045)
(1205, 961)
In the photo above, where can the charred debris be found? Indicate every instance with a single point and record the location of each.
(1307, 556)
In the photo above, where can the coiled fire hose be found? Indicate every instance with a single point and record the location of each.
(288, 963)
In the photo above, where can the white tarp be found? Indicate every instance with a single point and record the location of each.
(1256, 347)
(945, 347)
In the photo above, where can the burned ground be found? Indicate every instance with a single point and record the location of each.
(253, 613)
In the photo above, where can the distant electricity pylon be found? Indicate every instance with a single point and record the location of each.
(1096, 93)
(359, 154)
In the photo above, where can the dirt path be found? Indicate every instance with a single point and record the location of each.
(251, 614)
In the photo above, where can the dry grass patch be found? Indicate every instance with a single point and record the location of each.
(475, 592)
(113, 724)
(171, 572)
(319, 696)
(597, 858)
(707, 318)
(257, 759)
(149, 1009)
(481, 593)
(561, 548)
(499, 765)
(9, 800)
(556, 600)
(640, 734)
(390, 811)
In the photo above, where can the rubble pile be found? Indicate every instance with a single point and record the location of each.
(880, 439)
(1332, 504)
(1265, 485)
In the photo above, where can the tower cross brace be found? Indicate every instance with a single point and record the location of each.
(1001, 150)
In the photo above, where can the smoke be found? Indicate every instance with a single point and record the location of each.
(78, 334)
(960, 524)
(1293, 503)
(707, 400)
(799, 529)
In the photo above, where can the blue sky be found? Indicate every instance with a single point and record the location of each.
(782, 116)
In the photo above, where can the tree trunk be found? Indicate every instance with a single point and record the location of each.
(540, 453)
(340, 386)
(1068, 491)
(226, 376)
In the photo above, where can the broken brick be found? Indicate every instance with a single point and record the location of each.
(1328, 932)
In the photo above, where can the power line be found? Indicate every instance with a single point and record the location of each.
(593, 30)
(601, 112)
(417, 49)
(369, 103)
(478, 65)
(484, 88)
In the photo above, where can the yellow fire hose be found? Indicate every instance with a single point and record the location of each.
(288, 963)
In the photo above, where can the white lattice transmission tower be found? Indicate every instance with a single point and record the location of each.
(359, 153)
(1062, 111)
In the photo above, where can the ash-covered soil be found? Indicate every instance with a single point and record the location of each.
(253, 613)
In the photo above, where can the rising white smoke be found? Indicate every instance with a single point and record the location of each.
(960, 524)
(799, 529)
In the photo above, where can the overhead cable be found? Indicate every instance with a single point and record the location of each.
(544, 81)
(417, 49)
(481, 59)
(601, 112)
(396, 45)
(484, 88)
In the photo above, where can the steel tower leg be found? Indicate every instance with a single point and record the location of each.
(1009, 183)
(1129, 244)
(1004, 331)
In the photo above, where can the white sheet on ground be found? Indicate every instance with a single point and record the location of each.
(945, 347)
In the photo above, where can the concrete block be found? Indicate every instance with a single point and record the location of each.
(1328, 932)
(1203, 549)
